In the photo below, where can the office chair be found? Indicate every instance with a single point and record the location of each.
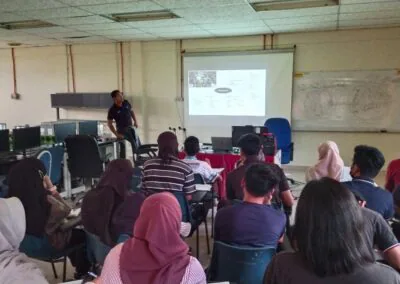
(57, 157)
(241, 265)
(84, 160)
(45, 157)
(143, 153)
(280, 127)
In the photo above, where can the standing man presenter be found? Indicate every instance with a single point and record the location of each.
(122, 113)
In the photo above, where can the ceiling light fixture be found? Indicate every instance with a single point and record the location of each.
(292, 4)
(143, 16)
(33, 24)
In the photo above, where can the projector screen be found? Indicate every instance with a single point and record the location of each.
(222, 90)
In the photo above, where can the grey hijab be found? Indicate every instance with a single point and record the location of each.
(15, 267)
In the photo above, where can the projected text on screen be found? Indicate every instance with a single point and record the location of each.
(227, 92)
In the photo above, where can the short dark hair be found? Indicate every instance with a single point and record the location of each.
(192, 145)
(369, 160)
(115, 93)
(260, 179)
(329, 229)
(250, 144)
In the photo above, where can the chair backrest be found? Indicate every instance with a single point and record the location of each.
(186, 214)
(145, 152)
(83, 156)
(45, 157)
(199, 179)
(96, 250)
(280, 127)
(57, 157)
(239, 265)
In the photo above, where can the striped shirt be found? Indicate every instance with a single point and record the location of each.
(194, 273)
(175, 176)
(202, 168)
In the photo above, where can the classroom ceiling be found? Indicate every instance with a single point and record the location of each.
(86, 20)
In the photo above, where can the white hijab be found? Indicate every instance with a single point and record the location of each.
(15, 267)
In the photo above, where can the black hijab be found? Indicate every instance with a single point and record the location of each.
(25, 182)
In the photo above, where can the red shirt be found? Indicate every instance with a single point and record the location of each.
(393, 175)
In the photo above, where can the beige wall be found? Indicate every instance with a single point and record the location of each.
(152, 79)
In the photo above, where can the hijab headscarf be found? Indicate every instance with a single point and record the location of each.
(25, 182)
(15, 266)
(330, 164)
(103, 210)
(156, 254)
(167, 146)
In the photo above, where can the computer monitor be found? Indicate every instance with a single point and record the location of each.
(4, 140)
(221, 144)
(26, 138)
(88, 128)
(63, 130)
(239, 131)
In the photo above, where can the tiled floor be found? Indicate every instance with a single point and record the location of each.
(296, 174)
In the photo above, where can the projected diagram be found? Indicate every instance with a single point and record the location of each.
(227, 92)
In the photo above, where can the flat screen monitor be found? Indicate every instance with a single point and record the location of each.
(4, 140)
(26, 138)
(88, 128)
(239, 131)
(63, 130)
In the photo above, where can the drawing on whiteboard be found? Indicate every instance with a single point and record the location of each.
(351, 100)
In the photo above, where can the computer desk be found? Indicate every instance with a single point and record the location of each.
(68, 190)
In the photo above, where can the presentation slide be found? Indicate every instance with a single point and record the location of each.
(227, 92)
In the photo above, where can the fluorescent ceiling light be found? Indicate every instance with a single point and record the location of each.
(292, 4)
(143, 16)
(33, 24)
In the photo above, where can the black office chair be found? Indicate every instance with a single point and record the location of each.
(84, 159)
(145, 152)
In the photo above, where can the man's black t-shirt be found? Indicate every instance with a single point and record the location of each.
(121, 115)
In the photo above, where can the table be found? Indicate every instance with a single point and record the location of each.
(222, 160)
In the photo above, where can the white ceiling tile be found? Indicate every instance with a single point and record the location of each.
(21, 37)
(331, 10)
(370, 7)
(140, 6)
(304, 27)
(80, 20)
(217, 14)
(369, 23)
(158, 23)
(173, 4)
(45, 42)
(138, 37)
(47, 31)
(346, 2)
(241, 31)
(176, 29)
(66, 35)
(54, 13)
(369, 15)
(94, 27)
(233, 25)
(184, 35)
(301, 20)
(129, 31)
(92, 2)
(8, 17)
(91, 39)
(22, 5)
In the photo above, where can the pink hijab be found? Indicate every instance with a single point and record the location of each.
(156, 254)
(330, 164)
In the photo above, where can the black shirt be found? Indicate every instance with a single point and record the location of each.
(122, 116)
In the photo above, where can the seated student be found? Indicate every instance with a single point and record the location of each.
(15, 267)
(192, 147)
(110, 210)
(329, 242)
(156, 253)
(250, 147)
(367, 162)
(379, 234)
(393, 175)
(252, 222)
(45, 212)
(167, 172)
(329, 164)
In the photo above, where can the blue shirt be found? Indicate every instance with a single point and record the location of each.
(249, 224)
(122, 116)
(378, 199)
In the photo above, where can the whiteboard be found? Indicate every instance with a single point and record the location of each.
(347, 101)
